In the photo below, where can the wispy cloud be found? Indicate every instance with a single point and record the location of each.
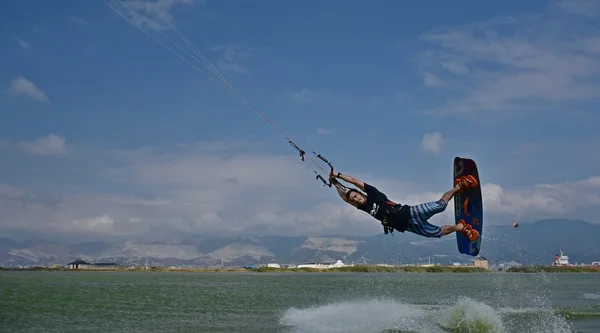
(77, 20)
(144, 13)
(513, 63)
(589, 8)
(22, 86)
(526, 148)
(48, 145)
(23, 43)
(305, 95)
(323, 131)
(232, 57)
(431, 80)
(39, 29)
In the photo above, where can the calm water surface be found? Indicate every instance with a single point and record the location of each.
(298, 302)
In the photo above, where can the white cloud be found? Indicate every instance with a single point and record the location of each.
(22, 86)
(432, 143)
(98, 224)
(48, 145)
(514, 64)
(578, 199)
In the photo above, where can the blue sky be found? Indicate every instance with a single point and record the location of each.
(107, 133)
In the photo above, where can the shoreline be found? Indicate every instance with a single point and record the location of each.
(347, 269)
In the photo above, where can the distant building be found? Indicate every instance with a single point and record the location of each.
(481, 262)
(338, 263)
(80, 264)
(273, 265)
(77, 264)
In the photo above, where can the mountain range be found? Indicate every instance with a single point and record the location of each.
(531, 244)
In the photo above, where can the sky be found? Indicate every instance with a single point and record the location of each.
(113, 126)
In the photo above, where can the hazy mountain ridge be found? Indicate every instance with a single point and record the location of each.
(532, 243)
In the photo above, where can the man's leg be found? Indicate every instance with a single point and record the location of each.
(420, 214)
(461, 227)
(460, 184)
(448, 229)
(450, 194)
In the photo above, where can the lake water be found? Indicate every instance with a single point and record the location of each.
(298, 302)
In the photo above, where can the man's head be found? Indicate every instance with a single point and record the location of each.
(355, 197)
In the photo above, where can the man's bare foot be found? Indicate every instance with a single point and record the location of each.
(468, 231)
(466, 182)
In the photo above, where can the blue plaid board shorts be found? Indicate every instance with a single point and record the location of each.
(419, 216)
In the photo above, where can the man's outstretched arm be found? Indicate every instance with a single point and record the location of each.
(352, 180)
(340, 190)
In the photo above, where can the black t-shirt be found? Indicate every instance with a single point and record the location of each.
(382, 209)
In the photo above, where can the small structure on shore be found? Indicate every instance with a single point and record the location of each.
(338, 263)
(481, 262)
(80, 264)
(77, 264)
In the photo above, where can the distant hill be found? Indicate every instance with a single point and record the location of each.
(532, 243)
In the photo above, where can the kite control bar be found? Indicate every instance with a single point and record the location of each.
(302, 153)
(322, 158)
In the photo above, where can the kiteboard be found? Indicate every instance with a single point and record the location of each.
(468, 206)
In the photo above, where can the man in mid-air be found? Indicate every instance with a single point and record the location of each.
(405, 217)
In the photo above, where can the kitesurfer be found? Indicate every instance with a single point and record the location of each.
(405, 217)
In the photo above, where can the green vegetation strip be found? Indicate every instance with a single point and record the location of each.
(359, 269)
(352, 269)
(554, 269)
(380, 269)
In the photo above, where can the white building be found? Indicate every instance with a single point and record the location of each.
(338, 263)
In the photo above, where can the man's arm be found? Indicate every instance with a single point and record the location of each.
(352, 181)
(340, 190)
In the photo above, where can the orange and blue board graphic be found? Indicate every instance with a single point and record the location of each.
(468, 206)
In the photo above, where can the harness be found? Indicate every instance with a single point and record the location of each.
(392, 209)
(386, 228)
